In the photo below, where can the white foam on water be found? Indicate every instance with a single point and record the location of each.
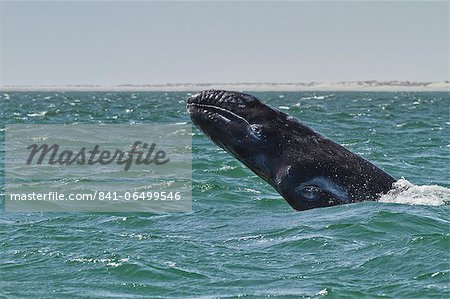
(43, 113)
(404, 192)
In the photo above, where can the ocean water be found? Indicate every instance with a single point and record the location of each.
(241, 238)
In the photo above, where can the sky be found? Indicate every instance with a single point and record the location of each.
(109, 43)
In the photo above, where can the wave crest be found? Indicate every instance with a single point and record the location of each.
(404, 192)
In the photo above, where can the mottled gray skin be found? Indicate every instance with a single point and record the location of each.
(306, 168)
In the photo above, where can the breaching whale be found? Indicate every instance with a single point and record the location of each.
(307, 169)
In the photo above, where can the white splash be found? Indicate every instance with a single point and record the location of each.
(404, 192)
(38, 114)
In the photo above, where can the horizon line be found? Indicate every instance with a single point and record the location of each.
(365, 85)
(370, 81)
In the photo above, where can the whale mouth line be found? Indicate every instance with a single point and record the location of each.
(223, 113)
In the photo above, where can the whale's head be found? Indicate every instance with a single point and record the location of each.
(240, 124)
(307, 169)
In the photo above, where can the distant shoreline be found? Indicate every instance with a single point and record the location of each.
(312, 86)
